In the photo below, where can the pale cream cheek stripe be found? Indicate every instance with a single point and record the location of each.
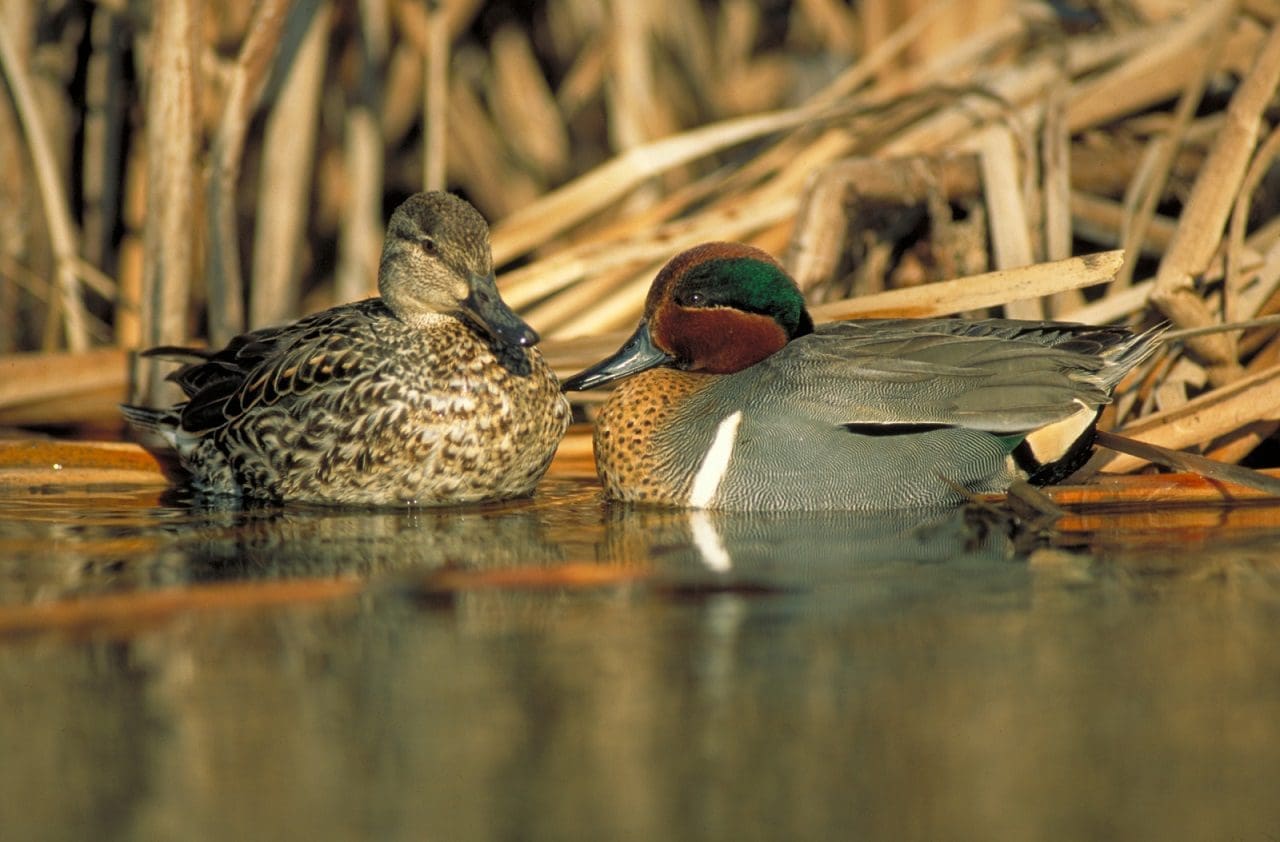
(715, 463)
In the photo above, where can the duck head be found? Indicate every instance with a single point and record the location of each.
(716, 308)
(436, 259)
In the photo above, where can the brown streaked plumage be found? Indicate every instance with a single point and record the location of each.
(430, 394)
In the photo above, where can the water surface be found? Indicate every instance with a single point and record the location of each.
(831, 676)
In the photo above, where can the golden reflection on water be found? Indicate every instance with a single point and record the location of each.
(839, 678)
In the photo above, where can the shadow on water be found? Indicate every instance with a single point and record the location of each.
(751, 677)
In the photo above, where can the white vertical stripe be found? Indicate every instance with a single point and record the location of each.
(715, 463)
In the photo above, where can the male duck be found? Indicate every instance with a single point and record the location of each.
(744, 404)
(430, 394)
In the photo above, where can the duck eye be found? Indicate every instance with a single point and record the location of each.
(695, 299)
(428, 244)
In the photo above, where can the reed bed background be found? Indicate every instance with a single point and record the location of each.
(177, 172)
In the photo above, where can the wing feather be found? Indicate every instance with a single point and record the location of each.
(999, 375)
(274, 365)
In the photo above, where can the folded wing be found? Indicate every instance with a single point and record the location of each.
(1000, 376)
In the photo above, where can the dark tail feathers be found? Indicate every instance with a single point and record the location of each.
(144, 418)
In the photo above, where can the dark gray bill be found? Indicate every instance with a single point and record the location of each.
(491, 314)
(637, 354)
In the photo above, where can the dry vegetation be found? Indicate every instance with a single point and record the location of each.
(177, 171)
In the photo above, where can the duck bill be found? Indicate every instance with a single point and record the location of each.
(491, 314)
(637, 354)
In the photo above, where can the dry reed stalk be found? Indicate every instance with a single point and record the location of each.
(1114, 307)
(1141, 497)
(953, 26)
(57, 215)
(1103, 163)
(1234, 308)
(412, 18)
(1103, 220)
(403, 96)
(961, 62)
(1205, 214)
(875, 18)
(435, 96)
(1144, 194)
(222, 253)
(1006, 212)
(86, 456)
(1001, 90)
(640, 224)
(43, 388)
(1151, 75)
(623, 304)
(737, 28)
(757, 86)
(834, 23)
(684, 29)
(525, 109)
(1234, 446)
(774, 238)
(560, 209)
(550, 316)
(619, 309)
(1212, 415)
(881, 48)
(988, 290)
(830, 145)
(172, 132)
(569, 356)
(288, 150)
(1260, 296)
(1267, 10)
(1239, 443)
(1217, 413)
(476, 163)
(629, 88)
(131, 254)
(841, 191)
(97, 281)
(103, 135)
(9, 315)
(584, 79)
(360, 240)
(575, 264)
(1055, 149)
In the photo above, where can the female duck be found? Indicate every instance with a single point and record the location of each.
(739, 402)
(430, 394)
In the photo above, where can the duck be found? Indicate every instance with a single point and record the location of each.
(430, 393)
(731, 398)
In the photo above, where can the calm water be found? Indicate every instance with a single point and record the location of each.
(725, 678)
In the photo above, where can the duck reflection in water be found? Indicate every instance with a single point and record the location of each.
(273, 542)
(788, 549)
